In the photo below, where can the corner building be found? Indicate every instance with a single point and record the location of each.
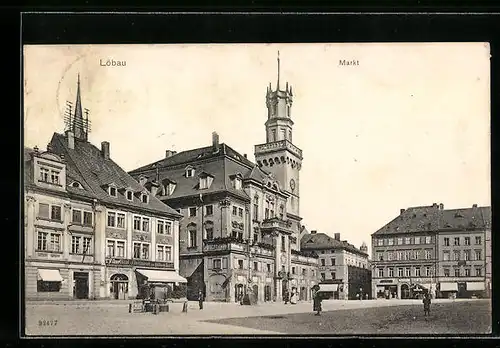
(90, 230)
(446, 252)
(241, 227)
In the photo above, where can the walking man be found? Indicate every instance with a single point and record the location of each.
(427, 304)
(200, 299)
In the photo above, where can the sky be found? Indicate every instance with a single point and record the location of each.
(408, 125)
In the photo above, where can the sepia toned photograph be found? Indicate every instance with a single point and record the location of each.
(256, 189)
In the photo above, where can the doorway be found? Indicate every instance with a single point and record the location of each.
(267, 293)
(405, 291)
(256, 292)
(119, 286)
(81, 285)
(303, 294)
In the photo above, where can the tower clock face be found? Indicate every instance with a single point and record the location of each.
(292, 184)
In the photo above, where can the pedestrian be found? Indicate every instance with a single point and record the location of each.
(427, 304)
(293, 297)
(317, 303)
(200, 299)
(286, 296)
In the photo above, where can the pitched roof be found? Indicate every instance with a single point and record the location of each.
(434, 218)
(317, 241)
(221, 165)
(86, 165)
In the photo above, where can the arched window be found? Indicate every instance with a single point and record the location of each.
(192, 235)
(209, 230)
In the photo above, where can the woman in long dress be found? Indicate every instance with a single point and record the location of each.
(293, 298)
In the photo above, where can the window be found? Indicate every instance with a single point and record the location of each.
(54, 177)
(400, 241)
(391, 272)
(417, 254)
(477, 255)
(192, 236)
(332, 274)
(235, 210)
(446, 272)
(466, 255)
(390, 241)
(428, 240)
(145, 224)
(116, 219)
(399, 255)
(417, 240)
(48, 211)
(145, 198)
(380, 242)
(428, 254)
(115, 248)
(44, 175)
(160, 227)
(216, 264)
(192, 211)
(478, 240)
(141, 224)
(428, 271)
(203, 183)
(237, 183)
(446, 241)
(283, 246)
(407, 272)
(282, 212)
(240, 264)
(381, 272)
(457, 272)
(75, 245)
(268, 267)
(76, 216)
(417, 272)
(322, 262)
(333, 262)
(456, 241)
(112, 191)
(478, 272)
(209, 231)
(274, 130)
(406, 254)
(407, 240)
(163, 252)
(456, 255)
(130, 195)
(255, 236)
(137, 223)
(304, 270)
(400, 272)
(81, 217)
(446, 255)
(42, 286)
(141, 251)
(380, 256)
(48, 241)
(81, 245)
(390, 255)
(240, 212)
(255, 266)
(256, 208)
(323, 276)
(467, 272)
(209, 210)
(466, 240)
(189, 173)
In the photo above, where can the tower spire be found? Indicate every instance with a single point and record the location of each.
(278, 84)
(78, 126)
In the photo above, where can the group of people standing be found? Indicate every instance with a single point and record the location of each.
(291, 297)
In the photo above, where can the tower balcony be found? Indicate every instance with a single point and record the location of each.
(276, 224)
(230, 244)
(277, 146)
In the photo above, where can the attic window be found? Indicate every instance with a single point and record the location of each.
(189, 172)
(145, 198)
(112, 191)
(129, 195)
(205, 181)
(237, 183)
(76, 184)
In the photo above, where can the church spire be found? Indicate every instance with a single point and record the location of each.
(78, 124)
(278, 83)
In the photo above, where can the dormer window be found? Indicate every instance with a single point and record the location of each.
(189, 172)
(112, 191)
(237, 181)
(205, 180)
(130, 195)
(168, 187)
(76, 184)
(145, 198)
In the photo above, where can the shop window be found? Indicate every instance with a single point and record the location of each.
(48, 286)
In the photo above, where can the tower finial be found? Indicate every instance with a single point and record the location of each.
(278, 84)
(78, 125)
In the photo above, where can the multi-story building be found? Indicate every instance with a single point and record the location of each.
(90, 230)
(343, 269)
(241, 227)
(432, 249)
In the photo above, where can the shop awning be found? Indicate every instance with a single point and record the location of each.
(475, 286)
(50, 275)
(162, 276)
(328, 287)
(448, 287)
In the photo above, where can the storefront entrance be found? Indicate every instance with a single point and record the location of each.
(119, 286)
(239, 292)
(81, 285)
(405, 291)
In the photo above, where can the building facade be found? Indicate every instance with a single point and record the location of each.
(432, 249)
(343, 269)
(90, 230)
(241, 228)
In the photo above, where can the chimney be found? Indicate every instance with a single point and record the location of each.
(71, 139)
(313, 232)
(169, 153)
(215, 141)
(434, 205)
(35, 149)
(105, 149)
(143, 180)
(401, 211)
(154, 188)
(474, 206)
(49, 147)
(337, 236)
(245, 155)
(441, 206)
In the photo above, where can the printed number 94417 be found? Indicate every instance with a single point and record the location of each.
(47, 322)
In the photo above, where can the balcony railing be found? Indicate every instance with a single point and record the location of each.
(278, 145)
(274, 223)
(236, 244)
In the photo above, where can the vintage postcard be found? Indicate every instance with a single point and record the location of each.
(257, 189)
